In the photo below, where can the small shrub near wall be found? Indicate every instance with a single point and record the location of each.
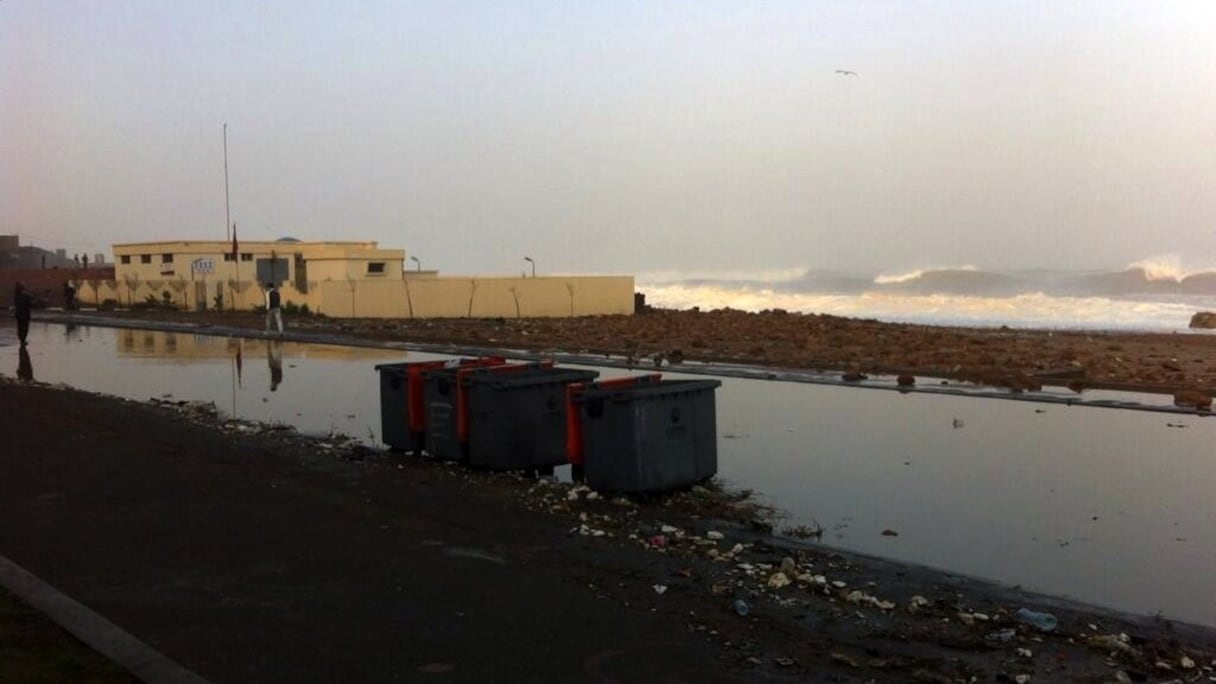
(289, 309)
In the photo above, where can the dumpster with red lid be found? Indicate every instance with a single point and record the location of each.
(574, 420)
(650, 435)
(403, 402)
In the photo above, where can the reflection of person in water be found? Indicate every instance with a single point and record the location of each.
(274, 359)
(25, 369)
(21, 311)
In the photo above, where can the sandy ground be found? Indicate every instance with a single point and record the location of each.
(1017, 359)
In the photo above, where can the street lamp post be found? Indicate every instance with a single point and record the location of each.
(415, 260)
(530, 261)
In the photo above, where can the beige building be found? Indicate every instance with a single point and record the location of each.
(341, 279)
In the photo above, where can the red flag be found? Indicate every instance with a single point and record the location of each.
(234, 246)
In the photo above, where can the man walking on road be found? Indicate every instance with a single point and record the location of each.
(21, 311)
(273, 310)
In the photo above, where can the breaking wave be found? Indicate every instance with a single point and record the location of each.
(1158, 276)
(1033, 310)
(911, 276)
(1167, 267)
(728, 276)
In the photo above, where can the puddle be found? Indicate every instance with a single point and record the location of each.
(1105, 505)
(318, 389)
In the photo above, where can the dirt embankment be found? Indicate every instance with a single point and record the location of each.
(1018, 359)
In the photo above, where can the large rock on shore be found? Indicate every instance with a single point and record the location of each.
(1195, 398)
(1204, 319)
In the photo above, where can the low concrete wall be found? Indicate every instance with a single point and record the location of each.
(411, 297)
(46, 284)
(477, 297)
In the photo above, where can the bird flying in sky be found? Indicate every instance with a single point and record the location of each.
(846, 72)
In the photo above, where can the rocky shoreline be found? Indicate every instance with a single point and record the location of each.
(1182, 364)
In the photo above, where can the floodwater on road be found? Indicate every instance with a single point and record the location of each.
(1109, 506)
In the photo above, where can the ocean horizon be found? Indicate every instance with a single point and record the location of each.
(1153, 296)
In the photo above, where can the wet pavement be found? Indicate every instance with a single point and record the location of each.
(1107, 506)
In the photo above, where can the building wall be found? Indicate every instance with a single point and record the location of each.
(338, 282)
(46, 284)
(460, 296)
(157, 267)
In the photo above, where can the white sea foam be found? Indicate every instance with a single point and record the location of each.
(775, 275)
(1023, 311)
(1167, 267)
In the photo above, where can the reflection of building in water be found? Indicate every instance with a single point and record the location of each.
(189, 347)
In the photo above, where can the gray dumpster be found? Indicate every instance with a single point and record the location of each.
(402, 399)
(502, 418)
(394, 420)
(650, 437)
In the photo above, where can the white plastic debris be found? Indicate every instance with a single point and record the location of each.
(778, 580)
(1111, 642)
(714, 535)
(660, 589)
(864, 599)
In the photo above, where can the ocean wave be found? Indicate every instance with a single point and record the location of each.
(775, 275)
(1162, 275)
(1168, 267)
(918, 274)
(1031, 310)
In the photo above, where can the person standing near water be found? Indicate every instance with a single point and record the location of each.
(273, 307)
(21, 311)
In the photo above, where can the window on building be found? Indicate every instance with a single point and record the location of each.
(166, 258)
(145, 258)
(246, 257)
(375, 267)
(126, 258)
(228, 256)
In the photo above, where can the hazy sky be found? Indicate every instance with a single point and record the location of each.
(620, 136)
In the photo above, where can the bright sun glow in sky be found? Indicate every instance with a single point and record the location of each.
(621, 136)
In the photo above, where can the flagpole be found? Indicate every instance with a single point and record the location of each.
(227, 209)
(236, 264)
